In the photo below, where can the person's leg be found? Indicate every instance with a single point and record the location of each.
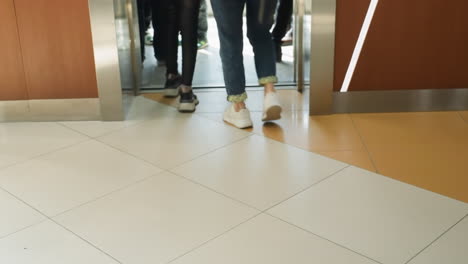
(228, 15)
(161, 22)
(147, 13)
(188, 26)
(260, 16)
(259, 21)
(173, 78)
(202, 25)
(283, 19)
(283, 22)
(141, 4)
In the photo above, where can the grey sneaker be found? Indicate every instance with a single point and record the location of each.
(188, 102)
(171, 88)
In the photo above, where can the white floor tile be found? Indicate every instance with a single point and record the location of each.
(48, 243)
(22, 141)
(156, 220)
(67, 178)
(267, 240)
(381, 218)
(137, 109)
(15, 215)
(259, 171)
(140, 108)
(95, 128)
(169, 142)
(451, 248)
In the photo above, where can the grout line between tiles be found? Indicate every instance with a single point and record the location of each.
(214, 238)
(464, 120)
(108, 194)
(307, 188)
(317, 152)
(24, 228)
(134, 123)
(213, 190)
(128, 153)
(211, 151)
(365, 145)
(312, 233)
(45, 154)
(86, 241)
(47, 218)
(436, 239)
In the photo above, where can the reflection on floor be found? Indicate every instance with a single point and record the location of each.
(429, 150)
(165, 187)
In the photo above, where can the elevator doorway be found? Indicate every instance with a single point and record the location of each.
(148, 76)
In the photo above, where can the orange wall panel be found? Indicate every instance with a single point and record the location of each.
(57, 48)
(12, 81)
(417, 44)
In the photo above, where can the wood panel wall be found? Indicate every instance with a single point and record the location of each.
(57, 48)
(12, 80)
(417, 44)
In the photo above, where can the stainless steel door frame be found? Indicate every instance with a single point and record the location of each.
(322, 65)
(133, 24)
(299, 11)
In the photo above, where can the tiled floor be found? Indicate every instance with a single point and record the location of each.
(162, 187)
(428, 150)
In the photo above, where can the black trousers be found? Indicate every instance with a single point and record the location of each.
(283, 20)
(157, 9)
(182, 17)
(142, 12)
(160, 24)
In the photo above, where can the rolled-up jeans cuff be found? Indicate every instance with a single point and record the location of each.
(268, 79)
(238, 98)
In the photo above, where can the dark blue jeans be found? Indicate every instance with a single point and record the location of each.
(260, 16)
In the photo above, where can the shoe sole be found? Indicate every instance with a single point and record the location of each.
(188, 107)
(245, 126)
(242, 126)
(273, 113)
(171, 93)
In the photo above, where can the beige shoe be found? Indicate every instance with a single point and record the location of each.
(239, 119)
(271, 107)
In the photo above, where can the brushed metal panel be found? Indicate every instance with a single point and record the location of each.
(322, 56)
(106, 59)
(299, 10)
(401, 101)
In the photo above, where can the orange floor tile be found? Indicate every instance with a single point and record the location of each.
(464, 115)
(429, 150)
(441, 168)
(319, 133)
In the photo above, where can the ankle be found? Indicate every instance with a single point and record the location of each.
(239, 106)
(185, 88)
(269, 90)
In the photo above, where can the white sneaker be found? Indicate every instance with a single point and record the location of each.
(239, 119)
(271, 107)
